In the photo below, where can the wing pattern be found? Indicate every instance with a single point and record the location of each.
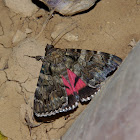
(70, 76)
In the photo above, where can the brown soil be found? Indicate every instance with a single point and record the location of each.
(109, 27)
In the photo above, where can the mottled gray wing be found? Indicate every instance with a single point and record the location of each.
(50, 94)
(89, 66)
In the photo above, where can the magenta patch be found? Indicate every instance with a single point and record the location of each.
(72, 86)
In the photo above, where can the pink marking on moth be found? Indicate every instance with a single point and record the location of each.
(71, 88)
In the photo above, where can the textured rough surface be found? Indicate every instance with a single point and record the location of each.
(104, 28)
(114, 113)
(59, 29)
(19, 36)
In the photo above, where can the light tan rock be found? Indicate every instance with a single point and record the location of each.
(28, 30)
(22, 67)
(19, 36)
(60, 29)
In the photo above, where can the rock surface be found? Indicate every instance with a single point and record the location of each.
(61, 29)
(19, 36)
(114, 113)
(104, 28)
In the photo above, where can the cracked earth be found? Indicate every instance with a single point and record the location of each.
(109, 27)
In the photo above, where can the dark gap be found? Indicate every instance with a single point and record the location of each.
(40, 5)
(76, 80)
(111, 73)
(50, 70)
(79, 50)
(71, 57)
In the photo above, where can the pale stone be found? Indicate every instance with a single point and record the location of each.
(71, 37)
(4, 56)
(21, 67)
(59, 30)
(28, 31)
(19, 36)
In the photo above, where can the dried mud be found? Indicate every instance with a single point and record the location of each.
(108, 27)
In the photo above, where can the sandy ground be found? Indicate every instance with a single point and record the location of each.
(109, 27)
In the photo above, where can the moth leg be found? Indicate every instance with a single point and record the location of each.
(29, 124)
(38, 58)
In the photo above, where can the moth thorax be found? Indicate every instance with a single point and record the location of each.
(49, 48)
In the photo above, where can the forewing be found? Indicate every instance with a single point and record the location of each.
(50, 94)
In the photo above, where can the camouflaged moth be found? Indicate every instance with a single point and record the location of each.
(70, 76)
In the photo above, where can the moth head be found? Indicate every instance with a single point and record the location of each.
(49, 48)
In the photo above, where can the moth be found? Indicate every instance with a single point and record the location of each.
(70, 76)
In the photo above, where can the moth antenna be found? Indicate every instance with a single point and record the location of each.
(52, 10)
(46, 22)
(63, 32)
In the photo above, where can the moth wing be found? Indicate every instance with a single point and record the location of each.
(92, 68)
(78, 77)
(50, 95)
